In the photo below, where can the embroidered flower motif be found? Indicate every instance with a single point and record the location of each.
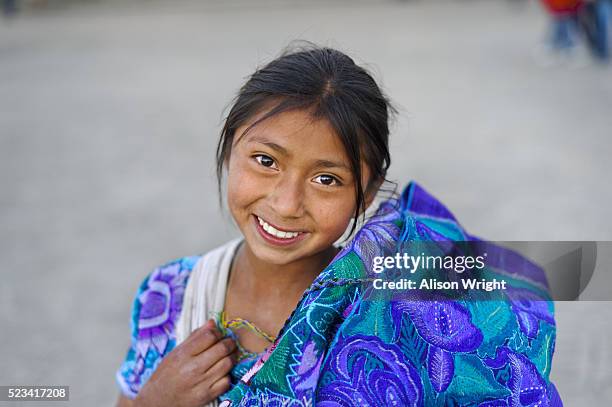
(447, 327)
(161, 302)
(370, 372)
(525, 383)
(530, 309)
(445, 324)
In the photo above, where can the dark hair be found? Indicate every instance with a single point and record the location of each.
(328, 84)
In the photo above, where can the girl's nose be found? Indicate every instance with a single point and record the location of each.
(287, 198)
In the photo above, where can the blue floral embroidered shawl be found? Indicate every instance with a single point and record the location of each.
(337, 349)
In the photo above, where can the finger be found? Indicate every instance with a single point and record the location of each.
(211, 324)
(221, 368)
(201, 339)
(212, 355)
(220, 387)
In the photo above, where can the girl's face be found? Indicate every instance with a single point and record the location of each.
(290, 187)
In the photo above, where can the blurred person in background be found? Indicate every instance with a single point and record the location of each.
(573, 19)
(593, 19)
(564, 25)
(9, 7)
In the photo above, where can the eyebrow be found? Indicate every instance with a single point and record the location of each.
(330, 164)
(270, 144)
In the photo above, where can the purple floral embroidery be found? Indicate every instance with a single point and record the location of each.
(527, 386)
(161, 303)
(307, 371)
(154, 315)
(529, 309)
(525, 383)
(445, 324)
(440, 368)
(370, 373)
(269, 399)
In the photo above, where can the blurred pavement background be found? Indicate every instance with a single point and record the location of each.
(110, 113)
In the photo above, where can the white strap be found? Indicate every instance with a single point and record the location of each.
(205, 292)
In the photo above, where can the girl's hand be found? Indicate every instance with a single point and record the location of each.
(195, 373)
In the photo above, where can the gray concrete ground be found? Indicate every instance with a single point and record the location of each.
(109, 114)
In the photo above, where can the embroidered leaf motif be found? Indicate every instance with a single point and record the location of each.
(496, 322)
(373, 318)
(473, 382)
(411, 343)
(440, 368)
(540, 351)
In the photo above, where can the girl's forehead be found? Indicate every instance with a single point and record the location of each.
(296, 133)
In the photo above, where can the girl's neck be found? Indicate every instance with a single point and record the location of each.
(256, 276)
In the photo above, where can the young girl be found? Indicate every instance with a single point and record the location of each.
(305, 147)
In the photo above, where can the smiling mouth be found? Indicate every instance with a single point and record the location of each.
(275, 236)
(277, 233)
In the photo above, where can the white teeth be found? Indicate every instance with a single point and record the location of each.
(275, 232)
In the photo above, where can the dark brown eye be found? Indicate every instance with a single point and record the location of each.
(327, 180)
(264, 160)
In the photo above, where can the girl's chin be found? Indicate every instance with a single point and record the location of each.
(273, 256)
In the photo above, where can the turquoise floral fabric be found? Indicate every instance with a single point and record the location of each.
(338, 348)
